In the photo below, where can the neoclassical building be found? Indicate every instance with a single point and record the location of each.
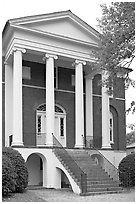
(53, 105)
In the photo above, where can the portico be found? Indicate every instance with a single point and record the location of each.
(48, 48)
(15, 97)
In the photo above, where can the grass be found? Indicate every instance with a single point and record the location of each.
(64, 195)
(26, 196)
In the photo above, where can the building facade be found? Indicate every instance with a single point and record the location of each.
(52, 96)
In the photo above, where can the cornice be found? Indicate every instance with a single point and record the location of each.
(45, 48)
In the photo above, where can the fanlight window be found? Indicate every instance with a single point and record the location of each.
(43, 108)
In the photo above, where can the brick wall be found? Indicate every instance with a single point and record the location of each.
(33, 97)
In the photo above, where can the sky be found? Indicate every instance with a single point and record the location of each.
(87, 10)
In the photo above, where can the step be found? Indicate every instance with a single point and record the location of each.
(103, 185)
(98, 180)
(104, 189)
(102, 192)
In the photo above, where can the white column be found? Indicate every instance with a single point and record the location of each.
(8, 102)
(105, 116)
(50, 101)
(17, 97)
(79, 104)
(89, 109)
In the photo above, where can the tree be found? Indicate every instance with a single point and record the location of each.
(130, 138)
(117, 42)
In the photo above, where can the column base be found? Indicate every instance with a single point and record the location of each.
(49, 145)
(79, 146)
(106, 146)
(17, 144)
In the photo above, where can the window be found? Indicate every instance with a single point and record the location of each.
(26, 72)
(39, 124)
(62, 127)
(73, 80)
(111, 128)
(56, 77)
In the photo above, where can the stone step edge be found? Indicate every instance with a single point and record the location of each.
(102, 192)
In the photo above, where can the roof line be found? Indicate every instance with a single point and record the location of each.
(40, 16)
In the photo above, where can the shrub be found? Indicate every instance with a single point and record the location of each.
(20, 168)
(8, 176)
(127, 171)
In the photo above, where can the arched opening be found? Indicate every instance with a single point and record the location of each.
(36, 164)
(64, 181)
(60, 124)
(98, 159)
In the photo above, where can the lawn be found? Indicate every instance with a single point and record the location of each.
(27, 196)
(52, 195)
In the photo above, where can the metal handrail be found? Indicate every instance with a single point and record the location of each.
(80, 174)
(112, 171)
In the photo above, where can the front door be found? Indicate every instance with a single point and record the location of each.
(41, 128)
(59, 124)
(60, 129)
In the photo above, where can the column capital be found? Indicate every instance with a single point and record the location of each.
(76, 62)
(16, 48)
(47, 56)
(79, 62)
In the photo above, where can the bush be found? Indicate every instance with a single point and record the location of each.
(127, 171)
(20, 168)
(8, 176)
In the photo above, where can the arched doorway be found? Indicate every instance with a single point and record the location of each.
(36, 164)
(60, 124)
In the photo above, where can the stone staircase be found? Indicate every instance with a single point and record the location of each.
(77, 161)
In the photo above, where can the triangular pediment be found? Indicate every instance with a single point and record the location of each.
(64, 24)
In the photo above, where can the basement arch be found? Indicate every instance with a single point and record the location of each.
(68, 180)
(36, 164)
(98, 159)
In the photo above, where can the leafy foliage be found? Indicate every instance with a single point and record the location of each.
(131, 108)
(8, 176)
(19, 164)
(130, 137)
(117, 40)
(127, 170)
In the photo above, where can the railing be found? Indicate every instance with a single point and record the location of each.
(79, 174)
(122, 177)
(107, 165)
(89, 141)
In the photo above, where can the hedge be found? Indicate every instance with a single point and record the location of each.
(20, 167)
(9, 176)
(127, 171)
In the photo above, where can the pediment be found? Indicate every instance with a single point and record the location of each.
(64, 24)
